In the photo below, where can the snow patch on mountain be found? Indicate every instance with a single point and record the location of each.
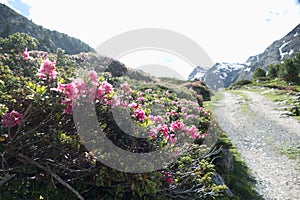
(282, 54)
(222, 69)
(248, 69)
(198, 73)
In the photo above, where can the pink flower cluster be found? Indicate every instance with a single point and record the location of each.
(157, 119)
(139, 114)
(89, 89)
(192, 131)
(11, 119)
(26, 55)
(47, 69)
(168, 178)
(175, 126)
(104, 89)
(125, 88)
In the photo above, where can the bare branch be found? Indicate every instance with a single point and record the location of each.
(60, 180)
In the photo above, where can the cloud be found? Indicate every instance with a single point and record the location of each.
(4, 2)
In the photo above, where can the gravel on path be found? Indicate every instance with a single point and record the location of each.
(258, 133)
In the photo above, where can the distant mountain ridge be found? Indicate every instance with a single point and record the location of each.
(12, 22)
(225, 74)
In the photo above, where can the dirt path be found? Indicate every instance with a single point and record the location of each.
(259, 131)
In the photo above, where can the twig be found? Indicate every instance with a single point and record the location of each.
(60, 180)
(7, 179)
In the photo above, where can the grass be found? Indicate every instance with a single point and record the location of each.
(244, 103)
(215, 97)
(240, 180)
(279, 96)
(291, 152)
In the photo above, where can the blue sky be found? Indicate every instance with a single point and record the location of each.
(230, 30)
(21, 7)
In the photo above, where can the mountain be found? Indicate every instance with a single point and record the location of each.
(279, 50)
(12, 22)
(198, 73)
(224, 74)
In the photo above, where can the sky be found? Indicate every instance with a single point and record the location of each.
(228, 31)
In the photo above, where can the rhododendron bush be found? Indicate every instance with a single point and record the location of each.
(43, 156)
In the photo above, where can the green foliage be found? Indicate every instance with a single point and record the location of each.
(273, 71)
(17, 42)
(241, 83)
(289, 70)
(259, 73)
(46, 141)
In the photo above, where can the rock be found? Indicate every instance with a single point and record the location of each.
(295, 110)
(226, 161)
(219, 180)
(285, 114)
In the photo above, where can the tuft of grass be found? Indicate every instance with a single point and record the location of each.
(291, 152)
(215, 97)
(244, 103)
(240, 181)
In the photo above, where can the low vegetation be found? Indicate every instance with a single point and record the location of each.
(43, 154)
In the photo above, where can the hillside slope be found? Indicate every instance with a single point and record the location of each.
(12, 22)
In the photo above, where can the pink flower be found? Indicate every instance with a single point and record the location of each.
(139, 93)
(164, 129)
(168, 178)
(93, 77)
(151, 117)
(105, 88)
(139, 114)
(159, 119)
(126, 89)
(171, 138)
(176, 125)
(11, 119)
(69, 90)
(173, 112)
(133, 105)
(47, 68)
(141, 99)
(80, 86)
(116, 101)
(68, 108)
(108, 102)
(193, 132)
(148, 91)
(26, 55)
(100, 93)
(152, 133)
